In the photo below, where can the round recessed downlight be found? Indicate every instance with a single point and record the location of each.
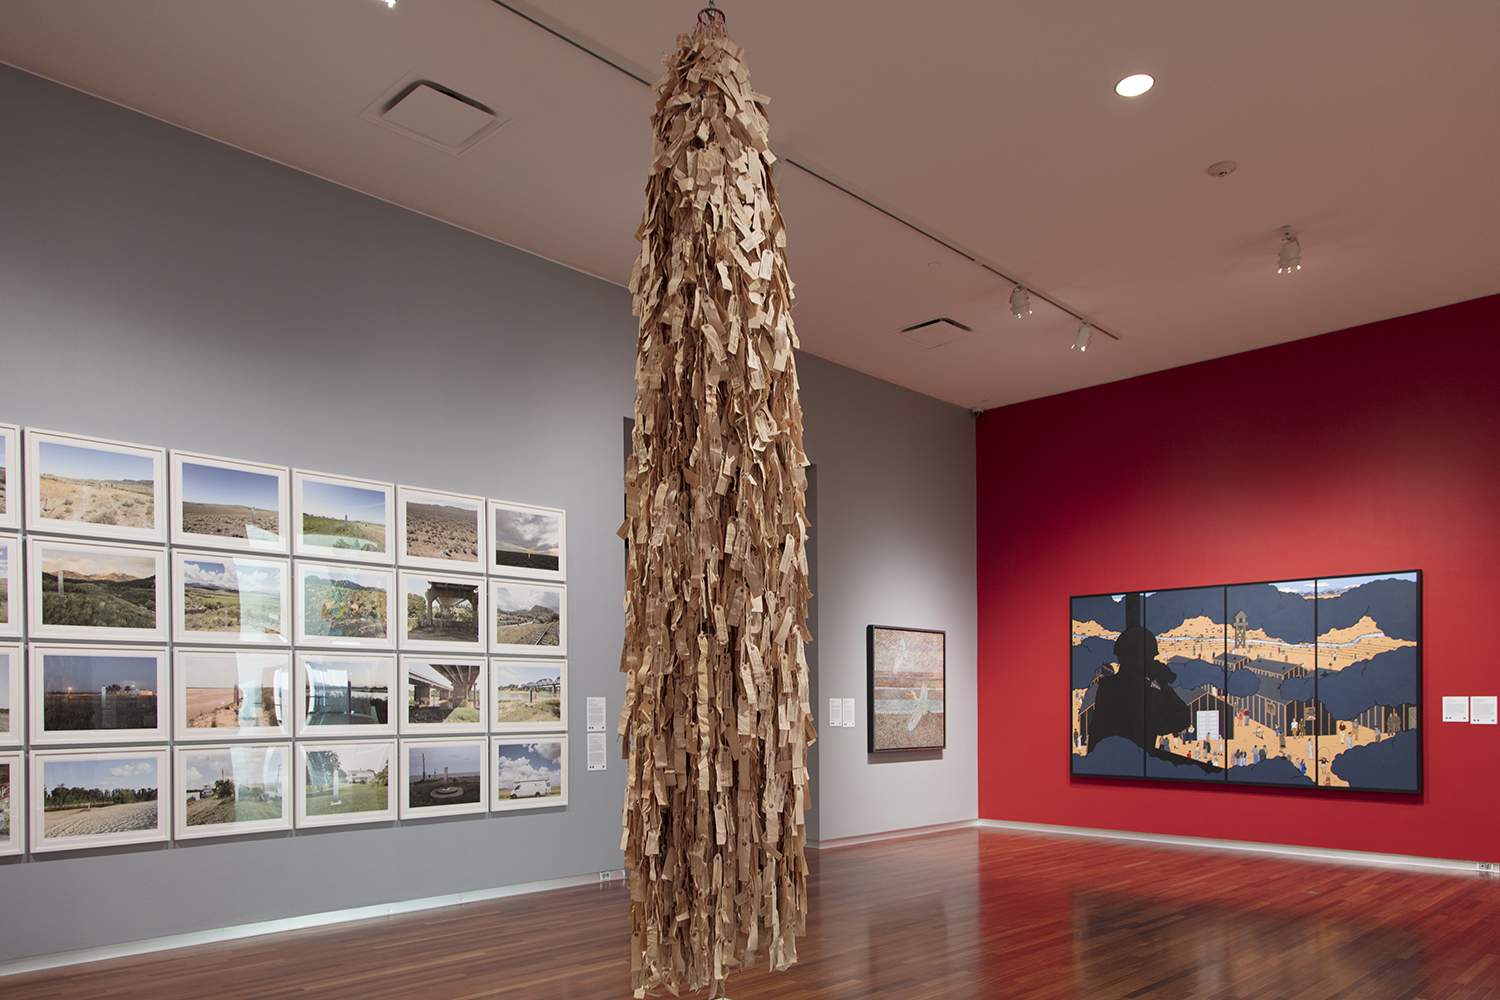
(1134, 86)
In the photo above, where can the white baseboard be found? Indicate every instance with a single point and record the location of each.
(221, 934)
(871, 838)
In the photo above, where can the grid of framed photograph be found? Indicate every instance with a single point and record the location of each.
(196, 646)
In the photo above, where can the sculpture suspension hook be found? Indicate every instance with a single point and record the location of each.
(711, 20)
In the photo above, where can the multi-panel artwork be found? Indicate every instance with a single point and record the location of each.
(1305, 683)
(194, 646)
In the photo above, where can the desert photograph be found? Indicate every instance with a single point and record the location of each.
(97, 588)
(234, 690)
(441, 693)
(527, 539)
(91, 797)
(348, 690)
(5, 567)
(441, 610)
(230, 503)
(238, 785)
(345, 603)
(530, 770)
(438, 527)
(529, 693)
(86, 692)
(444, 775)
(95, 486)
(335, 516)
(235, 596)
(347, 778)
(527, 616)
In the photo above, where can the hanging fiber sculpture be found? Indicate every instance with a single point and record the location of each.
(716, 721)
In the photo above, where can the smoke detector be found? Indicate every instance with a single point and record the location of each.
(435, 115)
(1223, 168)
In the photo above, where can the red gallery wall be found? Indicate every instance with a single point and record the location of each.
(1365, 450)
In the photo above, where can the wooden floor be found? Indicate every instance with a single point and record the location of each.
(964, 914)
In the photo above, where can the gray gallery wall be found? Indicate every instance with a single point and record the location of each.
(162, 288)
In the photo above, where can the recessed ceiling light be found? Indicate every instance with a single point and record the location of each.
(1134, 86)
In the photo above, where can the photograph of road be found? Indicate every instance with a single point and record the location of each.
(444, 774)
(347, 779)
(85, 692)
(235, 785)
(525, 615)
(232, 596)
(340, 516)
(527, 539)
(95, 486)
(88, 587)
(93, 797)
(441, 527)
(219, 502)
(234, 691)
(527, 692)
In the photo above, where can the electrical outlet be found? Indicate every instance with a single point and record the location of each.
(605, 878)
(1487, 867)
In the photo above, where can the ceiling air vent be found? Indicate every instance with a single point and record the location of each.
(937, 332)
(434, 115)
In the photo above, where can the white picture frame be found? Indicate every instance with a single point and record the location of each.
(120, 690)
(100, 571)
(367, 510)
(525, 539)
(433, 531)
(516, 629)
(203, 610)
(224, 503)
(12, 803)
(343, 695)
(444, 777)
(337, 606)
(94, 487)
(520, 698)
(13, 690)
(432, 690)
(126, 770)
(518, 762)
(338, 795)
(11, 482)
(223, 694)
(430, 612)
(12, 600)
(260, 784)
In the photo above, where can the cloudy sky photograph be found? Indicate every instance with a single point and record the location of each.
(521, 531)
(106, 775)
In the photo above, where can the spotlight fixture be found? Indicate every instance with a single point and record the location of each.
(1134, 86)
(1290, 257)
(1020, 302)
(1084, 338)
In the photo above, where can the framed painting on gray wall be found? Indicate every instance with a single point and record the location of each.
(99, 798)
(528, 618)
(343, 783)
(222, 503)
(442, 695)
(342, 518)
(226, 790)
(528, 542)
(220, 597)
(530, 772)
(906, 692)
(441, 531)
(444, 777)
(87, 590)
(442, 612)
(98, 694)
(231, 694)
(529, 696)
(345, 694)
(344, 606)
(94, 487)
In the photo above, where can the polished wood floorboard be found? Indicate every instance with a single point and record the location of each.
(962, 914)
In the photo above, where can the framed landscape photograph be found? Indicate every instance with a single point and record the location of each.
(530, 772)
(442, 531)
(89, 486)
(10, 585)
(98, 694)
(227, 790)
(224, 504)
(342, 518)
(343, 783)
(528, 618)
(344, 606)
(345, 694)
(527, 542)
(98, 798)
(444, 777)
(443, 695)
(224, 695)
(10, 476)
(85, 590)
(222, 598)
(442, 612)
(12, 697)
(528, 696)
(907, 669)
(12, 799)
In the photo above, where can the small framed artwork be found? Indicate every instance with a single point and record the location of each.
(89, 486)
(444, 777)
(10, 476)
(342, 518)
(85, 590)
(528, 696)
(527, 542)
(528, 618)
(12, 699)
(10, 585)
(342, 783)
(345, 694)
(907, 668)
(224, 695)
(441, 531)
(530, 772)
(222, 598)
(98, 694)
(224, 504)
(12, 795)
(344, 606)
(442, 612)
(98, 798)
(444, 695)
(227, 790)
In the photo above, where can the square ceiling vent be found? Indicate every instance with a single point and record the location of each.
(435, 115)
(936, 332)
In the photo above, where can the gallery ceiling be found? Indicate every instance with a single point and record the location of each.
(993, 127)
